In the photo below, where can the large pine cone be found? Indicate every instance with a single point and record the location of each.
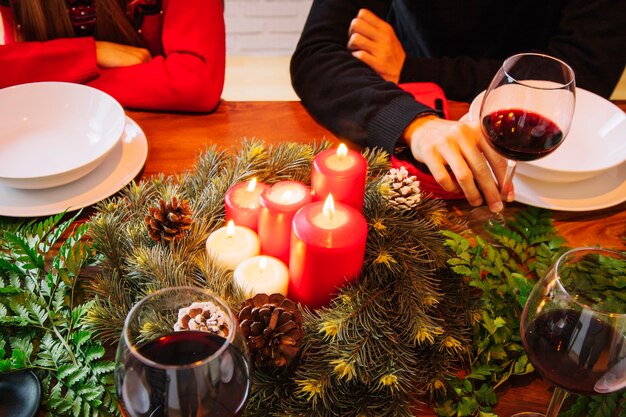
(403, 190)
(169, 221)
(272, 326)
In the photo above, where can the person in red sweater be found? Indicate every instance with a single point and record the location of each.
(147, 54)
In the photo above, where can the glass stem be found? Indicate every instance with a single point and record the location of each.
(558, 396)
(507, 184)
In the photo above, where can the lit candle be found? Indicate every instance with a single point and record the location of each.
(342, 173)
(327, 250)
(241, 203)
(262, 275)
(279, 203)
(230, 245)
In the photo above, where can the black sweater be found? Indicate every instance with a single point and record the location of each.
(458, 45)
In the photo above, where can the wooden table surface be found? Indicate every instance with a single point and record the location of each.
(175, 140)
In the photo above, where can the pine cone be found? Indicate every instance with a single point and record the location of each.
(169, 221)
(273, 328)
(203, 316)
(404, 191)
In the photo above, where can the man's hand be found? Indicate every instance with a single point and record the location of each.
(112, 55)
(373, 41)
(461, 146)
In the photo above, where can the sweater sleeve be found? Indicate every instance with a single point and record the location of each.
(189, 76)
(69, 60)
(590, 36)
(340, 91)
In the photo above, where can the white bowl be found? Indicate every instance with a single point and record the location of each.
(54, 133)
(595, 143)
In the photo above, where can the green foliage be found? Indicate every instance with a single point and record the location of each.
(43, 321)
(610, 405)
(505, 273)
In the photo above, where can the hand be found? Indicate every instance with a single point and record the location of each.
(112, 55)
(373, 41)
(441, 143)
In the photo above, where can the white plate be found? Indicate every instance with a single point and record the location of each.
(604, 190)
(122, 164)
(596, 141)
(54, 133)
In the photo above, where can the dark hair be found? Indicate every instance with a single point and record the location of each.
(43, 20)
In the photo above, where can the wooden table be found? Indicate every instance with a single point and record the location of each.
(175, 140)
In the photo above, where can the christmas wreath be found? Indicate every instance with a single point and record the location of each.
(433, 316)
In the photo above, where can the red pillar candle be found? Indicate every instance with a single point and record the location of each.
(241, 203)
(342, 173)
(327, 250)
(279, 203)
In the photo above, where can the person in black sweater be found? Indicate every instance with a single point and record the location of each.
(352, 55)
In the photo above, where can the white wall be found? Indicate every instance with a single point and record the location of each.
(264, 27)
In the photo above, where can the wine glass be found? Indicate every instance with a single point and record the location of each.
(573, 326)
(181, 355)
(526, 111)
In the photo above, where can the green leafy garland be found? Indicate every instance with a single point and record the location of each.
(43, 321)
(395, 338)
(505, 274)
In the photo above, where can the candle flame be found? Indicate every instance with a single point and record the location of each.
(342, 151)
(329, 207)
(252, 185)
(230, 229)
(287, 196)
(263, 264)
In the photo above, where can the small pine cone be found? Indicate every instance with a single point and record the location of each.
(403, 190)
(204, 317)
(273, 328)
(169, 221)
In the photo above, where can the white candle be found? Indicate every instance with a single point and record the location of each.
(233, 244)
(262, 275)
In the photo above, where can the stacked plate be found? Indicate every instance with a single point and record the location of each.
(588, 171)
(60, 143)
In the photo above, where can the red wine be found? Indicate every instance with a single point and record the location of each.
(521, 135)
(577, 352)
(177, 388)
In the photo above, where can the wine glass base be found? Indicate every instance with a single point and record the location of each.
(528, 414)
(480, 219)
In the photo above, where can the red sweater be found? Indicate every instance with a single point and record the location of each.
(186, 73)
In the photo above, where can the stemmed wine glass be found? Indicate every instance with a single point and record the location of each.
(181, 355)
(527, 110)
(573, 325)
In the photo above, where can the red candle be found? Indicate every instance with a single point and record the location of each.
(241, 203)
(342, 173)
(279, 203)
(327, 250)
